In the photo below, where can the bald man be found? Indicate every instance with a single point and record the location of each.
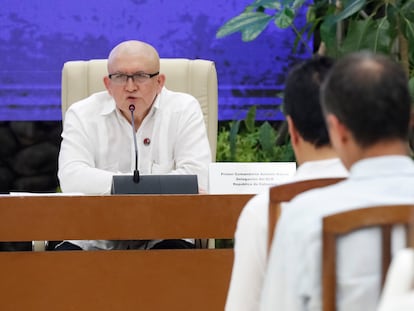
(96, 140)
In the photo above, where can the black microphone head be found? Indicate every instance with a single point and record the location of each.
(136, 178)
(132, 107)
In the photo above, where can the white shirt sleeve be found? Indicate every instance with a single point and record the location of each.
(280, 291)
(191, 150)
(398, 292)
(250, 256)
(77, 171)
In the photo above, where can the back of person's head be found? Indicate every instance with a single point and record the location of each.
(368, 93)
(301, 99)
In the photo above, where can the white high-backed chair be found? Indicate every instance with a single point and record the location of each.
(193, 76)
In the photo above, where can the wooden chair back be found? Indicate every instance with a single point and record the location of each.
(286, 192)
(194, 279)
(343, 223)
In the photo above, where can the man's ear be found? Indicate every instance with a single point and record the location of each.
(161, 82)
(338, 133)
(293, 132)
(107, 83)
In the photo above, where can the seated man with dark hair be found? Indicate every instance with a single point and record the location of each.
(316, 159)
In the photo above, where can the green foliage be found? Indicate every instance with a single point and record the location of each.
(385, 26)
(258, 15)
(250, 141)
(251, 24)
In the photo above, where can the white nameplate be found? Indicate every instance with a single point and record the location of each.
(248, 177)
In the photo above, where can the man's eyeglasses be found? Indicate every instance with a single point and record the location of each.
(139, 77)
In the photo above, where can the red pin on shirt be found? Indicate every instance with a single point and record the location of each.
(147, 141)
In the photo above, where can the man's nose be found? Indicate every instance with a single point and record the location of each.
(130, 85)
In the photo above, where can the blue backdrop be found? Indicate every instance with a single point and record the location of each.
(38, 36)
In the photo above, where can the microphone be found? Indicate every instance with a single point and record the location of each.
(135, 178)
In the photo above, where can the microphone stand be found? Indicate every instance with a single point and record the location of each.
(135, 177)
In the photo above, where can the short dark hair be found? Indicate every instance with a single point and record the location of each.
(302, 102)
(369, 94)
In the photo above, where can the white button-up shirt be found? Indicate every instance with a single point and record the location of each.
(98, 143)
(250, 250)
(293, 278)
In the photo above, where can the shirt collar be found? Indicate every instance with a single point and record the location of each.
(383, 166)
(109, 105)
